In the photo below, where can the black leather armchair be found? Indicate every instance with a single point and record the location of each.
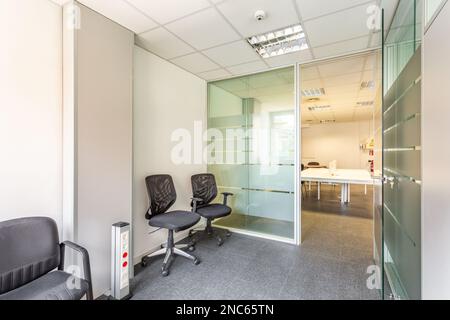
(31, 253)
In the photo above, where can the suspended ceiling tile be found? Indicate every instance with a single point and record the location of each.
(214, 74)
(341, 26)
(233, 85)
(232, 54)
(280, 13)
(169, 10)
(312, 84)
(340, 48)
(313, 9)
(342, 66)
(309, 73)
(370, 75)
(376, 40)
(372, 62)
(204, 29)
(122, 13)
(195, 63)
(264, 80)
(163, 43)
(349, 78)
(247, 68)
(289, 59)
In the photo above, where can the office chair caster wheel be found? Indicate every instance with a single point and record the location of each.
(144, 262)
(191, 248)
(165, 273)
(197, 261)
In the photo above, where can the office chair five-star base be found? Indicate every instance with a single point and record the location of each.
(170, 250)
(208, 233)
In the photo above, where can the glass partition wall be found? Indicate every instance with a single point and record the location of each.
(251, 150)
(402, 153)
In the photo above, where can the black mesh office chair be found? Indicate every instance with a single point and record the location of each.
(204, 191)
(162, 195)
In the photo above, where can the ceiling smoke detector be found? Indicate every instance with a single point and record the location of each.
(260, 15)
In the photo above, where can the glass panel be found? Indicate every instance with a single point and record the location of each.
(402, 152)
(378, 170)
(251, 122)
(431, 7)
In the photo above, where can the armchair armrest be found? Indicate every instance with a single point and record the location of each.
(86, 263)
(195, 202)
(225, 197)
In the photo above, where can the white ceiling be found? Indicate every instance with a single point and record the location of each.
(208, 37)
(342, 80)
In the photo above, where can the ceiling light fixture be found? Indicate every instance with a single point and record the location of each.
(313, 92)
(327, 121)
(276, 43)
(365, 103)
(368, 85)
(319, 108)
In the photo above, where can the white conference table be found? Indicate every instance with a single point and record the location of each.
(344, 177)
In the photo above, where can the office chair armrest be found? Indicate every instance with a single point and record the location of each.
(225, 197)
(195, 202)
(86, 263)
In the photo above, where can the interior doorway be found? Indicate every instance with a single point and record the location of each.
(341, 101)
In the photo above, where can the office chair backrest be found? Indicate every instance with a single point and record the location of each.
(161, 193)
(313, 164)
(29, 249)
(204, 187)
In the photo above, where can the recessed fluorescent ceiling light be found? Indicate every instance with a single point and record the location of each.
(365, 103)
(313, 92)
(319, 108)
(279, 42)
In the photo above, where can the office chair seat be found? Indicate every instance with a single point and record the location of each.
(175, 220)
(52, 286)
(214, 211)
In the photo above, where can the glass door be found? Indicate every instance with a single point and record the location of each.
(251, 150)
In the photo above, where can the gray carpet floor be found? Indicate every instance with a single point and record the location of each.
(330, 264)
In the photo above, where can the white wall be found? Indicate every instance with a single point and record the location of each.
(337, 141)
(102, 118)
(30, 109)
(166, 98)
(435, 160)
